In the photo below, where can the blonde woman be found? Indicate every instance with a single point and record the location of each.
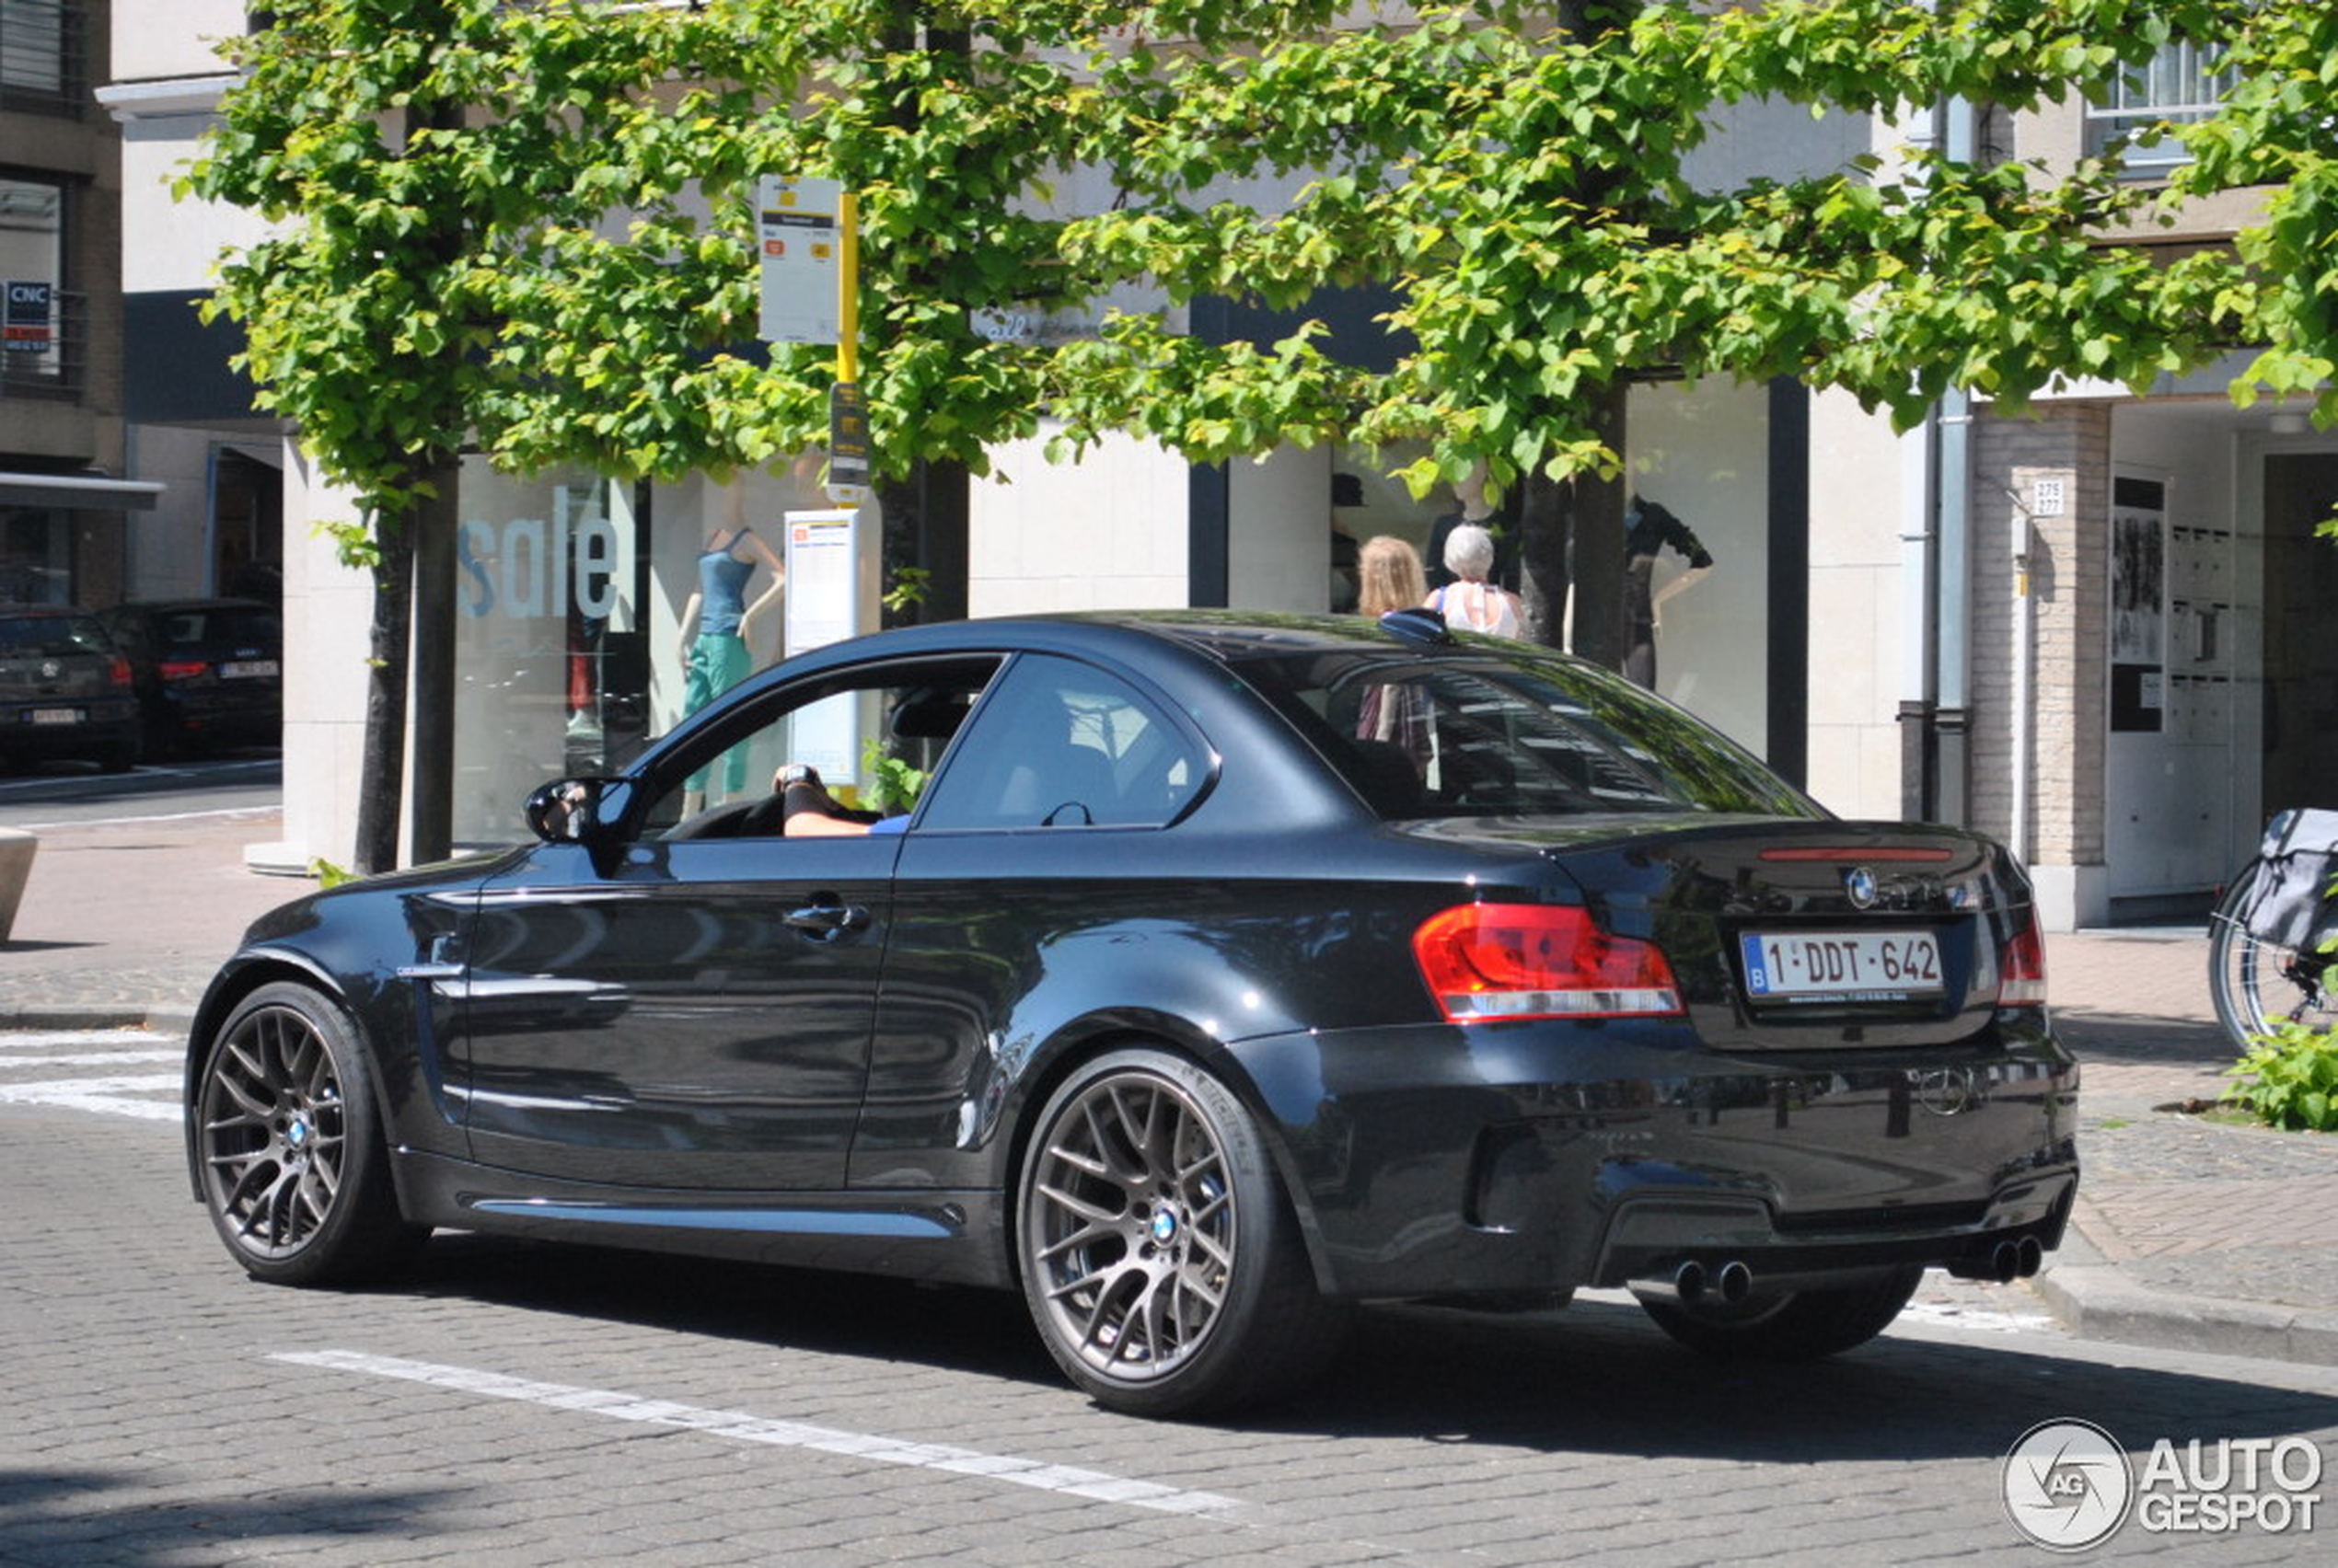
(1389, 576)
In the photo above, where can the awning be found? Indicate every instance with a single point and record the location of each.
(73, 490)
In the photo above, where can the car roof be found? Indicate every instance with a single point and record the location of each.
(1218, 635)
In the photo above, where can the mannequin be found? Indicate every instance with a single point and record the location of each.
(715, 624)
(1649, 527)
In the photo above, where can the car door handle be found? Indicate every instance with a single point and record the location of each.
(828, 918)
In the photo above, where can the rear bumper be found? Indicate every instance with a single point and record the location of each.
(221, 714)
(108, 724)
(1541, 1157)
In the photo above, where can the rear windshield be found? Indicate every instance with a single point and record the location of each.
(48, 637)
(253, 625)
(1471, 734)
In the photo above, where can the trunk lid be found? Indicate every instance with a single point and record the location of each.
(1798, 935)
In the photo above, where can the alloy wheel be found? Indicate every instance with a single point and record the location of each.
(273, 1133)
(1131, 1227)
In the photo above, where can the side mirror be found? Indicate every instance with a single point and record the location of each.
(567, 811)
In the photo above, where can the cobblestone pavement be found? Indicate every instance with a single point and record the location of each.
(2189, 1233)
(505, 1405)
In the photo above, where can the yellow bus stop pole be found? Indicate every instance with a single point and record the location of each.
(847, 288)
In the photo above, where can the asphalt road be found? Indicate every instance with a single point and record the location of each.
(70, 792)
(518, 1404)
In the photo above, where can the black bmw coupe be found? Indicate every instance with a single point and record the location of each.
(1198, 975)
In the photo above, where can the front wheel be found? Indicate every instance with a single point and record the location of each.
(1160, 1257)
(1800, 1325)
(295, 1168)
(2259, 984)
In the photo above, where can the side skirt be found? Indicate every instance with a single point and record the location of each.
(945, 1238)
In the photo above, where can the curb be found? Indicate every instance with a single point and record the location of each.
(168, 1019)
(2095, 1304)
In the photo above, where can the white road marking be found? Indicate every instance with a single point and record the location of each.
(102, 1094)
(50, 1039)
(92, 1059)
(743, 1427)
(107, 1093)
(1987, 1317)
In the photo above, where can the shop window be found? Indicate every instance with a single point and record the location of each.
(41, 57)
(39, 344)
(2181, 85)
(36, 556)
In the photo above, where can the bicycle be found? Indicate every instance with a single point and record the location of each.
(2269, 962)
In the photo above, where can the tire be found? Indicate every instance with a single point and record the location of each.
(2257, 985)
(293, 1165)
(1801, 1325)
(1159, 1254)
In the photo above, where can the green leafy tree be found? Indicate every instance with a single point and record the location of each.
(528, 230)
(1522, 185)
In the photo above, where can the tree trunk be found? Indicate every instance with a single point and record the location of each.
(432, 797)
(1545, 526)
(1601, 632)
(1571, 546)
(381, 788)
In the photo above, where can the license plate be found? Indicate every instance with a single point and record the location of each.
(1821, 966)
(54, 716)
(243, 669)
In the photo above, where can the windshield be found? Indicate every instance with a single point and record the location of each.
(48, 637)
(1469, 734)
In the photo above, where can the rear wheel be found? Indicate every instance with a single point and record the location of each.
(1800, 1325)
(2259, 984)
(1160, 1257)
(296, 1169)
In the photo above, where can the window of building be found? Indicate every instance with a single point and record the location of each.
(41, 67)
(33, 307)
(2183, 84)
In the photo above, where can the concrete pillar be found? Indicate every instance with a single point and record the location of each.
(16, 866)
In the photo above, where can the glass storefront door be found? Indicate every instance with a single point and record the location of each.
(550, 648)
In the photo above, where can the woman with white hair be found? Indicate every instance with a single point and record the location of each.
(1473, 602)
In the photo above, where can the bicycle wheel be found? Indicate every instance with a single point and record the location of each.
(2259, 984)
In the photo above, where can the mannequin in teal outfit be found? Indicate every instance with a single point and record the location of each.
(715, 622)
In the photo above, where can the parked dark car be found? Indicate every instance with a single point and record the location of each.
(1227, 971)
(64, 689)
(209, 672)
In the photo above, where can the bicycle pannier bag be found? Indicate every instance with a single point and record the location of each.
(2299, 856)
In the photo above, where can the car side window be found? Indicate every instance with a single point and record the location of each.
(868, 740)
(1060, 744)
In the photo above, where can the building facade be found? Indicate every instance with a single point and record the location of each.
(65, 502)
(2085, 628)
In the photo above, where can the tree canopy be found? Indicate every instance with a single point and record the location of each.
(527, 229)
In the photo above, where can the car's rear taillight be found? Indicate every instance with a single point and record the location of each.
(119, 671)
(2022, 975)
(181, 669)
(1489, 962)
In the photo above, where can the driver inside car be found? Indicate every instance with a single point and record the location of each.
(805, 809)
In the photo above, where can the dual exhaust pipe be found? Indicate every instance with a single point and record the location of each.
(2004, 1263)
(1732, 1282)
(1691, 1283)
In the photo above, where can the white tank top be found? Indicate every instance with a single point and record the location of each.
(1479, 606)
